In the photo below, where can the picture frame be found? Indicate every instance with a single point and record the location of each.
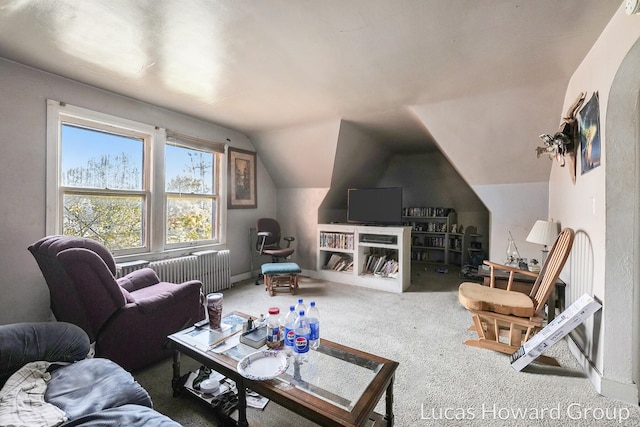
(242, 182)
(589, 129)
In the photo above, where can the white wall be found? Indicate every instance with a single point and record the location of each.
(298, 216)
(302, 156)
(301, 161)
(513, 187)
(24, 91)
(603, 205)
(513, 208)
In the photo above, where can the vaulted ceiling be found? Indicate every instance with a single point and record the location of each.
(401, 68)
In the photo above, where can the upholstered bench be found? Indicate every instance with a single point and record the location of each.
(280, 275)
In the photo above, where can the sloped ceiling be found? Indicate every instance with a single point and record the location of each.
(398, 68)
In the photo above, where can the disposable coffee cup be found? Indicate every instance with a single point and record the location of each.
(214, 310)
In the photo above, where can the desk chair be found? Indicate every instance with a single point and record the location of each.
(268, 242)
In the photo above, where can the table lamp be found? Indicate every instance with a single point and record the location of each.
(544, 233)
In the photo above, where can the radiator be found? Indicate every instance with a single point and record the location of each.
(212, 268)
(580, 281)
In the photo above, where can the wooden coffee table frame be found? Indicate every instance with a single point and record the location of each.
(293, 398)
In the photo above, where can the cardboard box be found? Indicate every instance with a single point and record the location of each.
(584, 307)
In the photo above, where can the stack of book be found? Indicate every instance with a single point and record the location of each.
(340, 262)
(380, 265)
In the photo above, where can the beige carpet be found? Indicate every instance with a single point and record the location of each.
(439, 382)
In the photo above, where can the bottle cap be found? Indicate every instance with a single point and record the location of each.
(274, 310)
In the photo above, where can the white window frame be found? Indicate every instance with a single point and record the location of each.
(153, 177)
(218, 194)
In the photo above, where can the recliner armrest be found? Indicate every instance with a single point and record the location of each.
(176, 292)
(22, 343)
(139, 279)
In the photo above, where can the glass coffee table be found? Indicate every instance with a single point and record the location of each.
(336, 386)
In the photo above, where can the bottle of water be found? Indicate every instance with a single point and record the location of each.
(302, 334)
(288, 323)
(300, 306)
(314, 324)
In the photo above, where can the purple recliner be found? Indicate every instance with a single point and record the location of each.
(129, 318)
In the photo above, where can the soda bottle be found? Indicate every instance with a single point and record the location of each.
(289, 333)
(302, 333)
(300, 306)
(314, 323)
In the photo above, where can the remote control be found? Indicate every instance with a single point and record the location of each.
(201, 323)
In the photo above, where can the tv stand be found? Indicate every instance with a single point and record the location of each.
(375, 257)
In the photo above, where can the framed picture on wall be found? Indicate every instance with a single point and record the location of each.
(242, 179)
(589, 128)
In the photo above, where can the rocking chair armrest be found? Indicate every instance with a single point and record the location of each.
(510, 268)
(493, 266)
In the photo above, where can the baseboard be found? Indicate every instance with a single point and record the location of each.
(242, 277)
(625, 392)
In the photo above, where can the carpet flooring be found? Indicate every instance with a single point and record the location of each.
(439, 382)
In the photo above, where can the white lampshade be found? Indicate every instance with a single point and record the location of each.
(544, 232)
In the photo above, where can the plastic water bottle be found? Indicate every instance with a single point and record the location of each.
(314, 323)
(302, 334)
(289, 333)
(300, 306)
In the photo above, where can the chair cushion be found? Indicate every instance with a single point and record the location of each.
(280, 268)
(477, 297)
(279, 252)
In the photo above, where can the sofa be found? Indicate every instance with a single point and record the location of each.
(47, 380)
(127, 318)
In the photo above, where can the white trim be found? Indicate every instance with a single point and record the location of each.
(52, 225)
(153, 176)
(605, 386)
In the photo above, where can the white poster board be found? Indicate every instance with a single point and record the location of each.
(584, 307)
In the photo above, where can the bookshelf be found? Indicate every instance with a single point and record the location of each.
(368, 256)
(435, 237)
(430, 233)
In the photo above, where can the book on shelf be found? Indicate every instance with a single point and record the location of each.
(381, 265)
(339, 262)
(336, 240)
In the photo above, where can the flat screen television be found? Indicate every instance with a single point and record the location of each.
(375, 205)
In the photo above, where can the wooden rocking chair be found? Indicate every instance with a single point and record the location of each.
(505, 319)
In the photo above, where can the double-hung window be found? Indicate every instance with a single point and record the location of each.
(131, 186)
(191, 190)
